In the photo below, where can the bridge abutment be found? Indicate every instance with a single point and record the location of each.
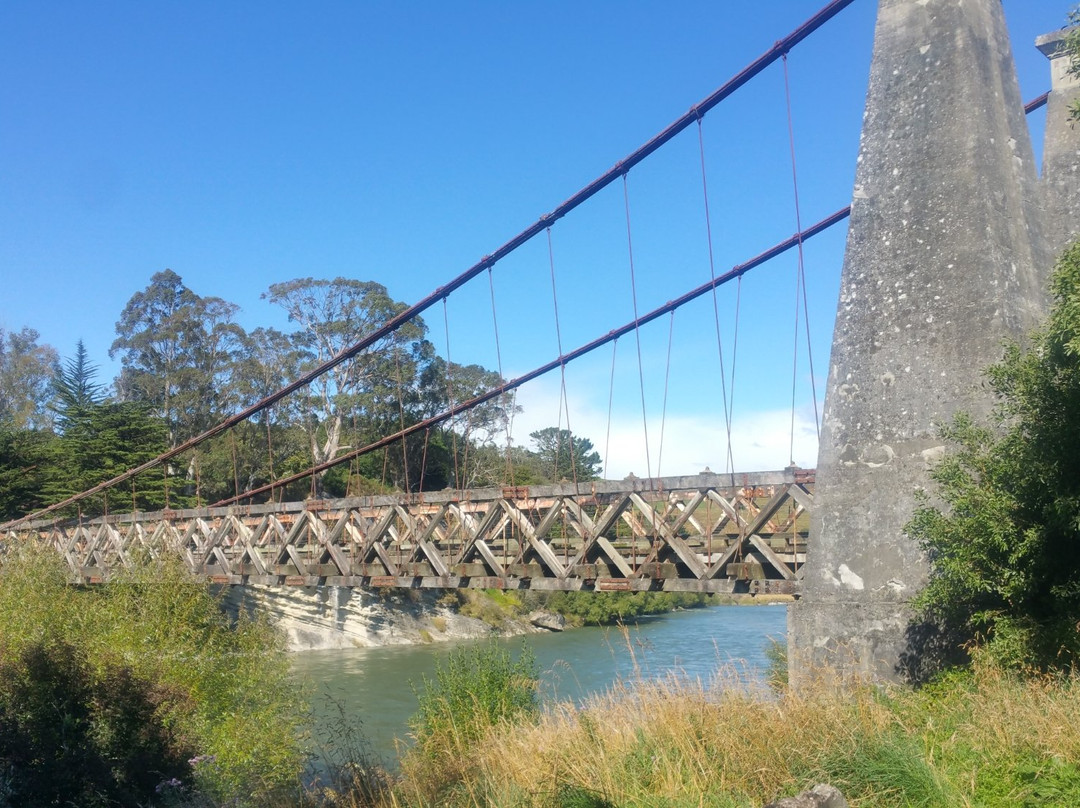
(946, 258)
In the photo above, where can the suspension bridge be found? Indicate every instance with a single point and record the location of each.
(736, 531)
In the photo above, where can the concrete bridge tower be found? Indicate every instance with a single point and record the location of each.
(946, 257)
(1061, 148)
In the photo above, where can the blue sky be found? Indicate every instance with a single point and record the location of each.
(242, 144)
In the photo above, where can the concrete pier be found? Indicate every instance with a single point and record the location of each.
(945, 259)
(1061, 147)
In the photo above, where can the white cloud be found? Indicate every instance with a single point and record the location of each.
(761, 440)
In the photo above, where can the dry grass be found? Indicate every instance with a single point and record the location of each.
(983, 738)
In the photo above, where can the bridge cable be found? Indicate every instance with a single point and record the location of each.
(508, 415)
(450, 392)
(401, 421)
(806, 314)
(800, 274)
(564, 401)
(269, 441)
(233, 455)
(198, 482)
(354, 466)
(715, 302)
(610, 401)
(641, 366)
(668, 505)
(423, 460)
(663, 409)
(731, 387)
(637, 325)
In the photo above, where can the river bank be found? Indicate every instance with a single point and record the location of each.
(328, 618)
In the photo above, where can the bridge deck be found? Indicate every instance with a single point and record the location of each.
(704, 533)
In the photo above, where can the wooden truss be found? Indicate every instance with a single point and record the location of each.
(702, 533)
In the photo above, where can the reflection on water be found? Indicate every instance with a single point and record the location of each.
(376, 685)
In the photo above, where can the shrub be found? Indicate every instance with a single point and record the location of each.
(474, 689)
(1004, 572)
(151, 672)
(70, 735)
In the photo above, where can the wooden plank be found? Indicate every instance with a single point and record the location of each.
(764, 548)
(685, 554)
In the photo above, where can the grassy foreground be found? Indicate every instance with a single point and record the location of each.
(142, 694)
(981, 738)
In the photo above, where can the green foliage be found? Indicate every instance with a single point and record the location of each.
(102, 441)
(73, 735)
(75, 392)
(563, 456)
(372, 387)
(1005, 572)
(26, 458)
(605, 608)
(776, 674)
(165, 672)
(25, 371)
(1072, 45)
(495, 607)
(888, 768)
(177, 350)
(476, 688)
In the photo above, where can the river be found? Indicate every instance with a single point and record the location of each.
(375, 685)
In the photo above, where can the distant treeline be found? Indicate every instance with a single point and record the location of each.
(186, 365)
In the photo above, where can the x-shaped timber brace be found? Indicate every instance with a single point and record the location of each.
(731, 533)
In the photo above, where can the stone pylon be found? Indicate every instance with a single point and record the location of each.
(1061, 147)
(945, 259)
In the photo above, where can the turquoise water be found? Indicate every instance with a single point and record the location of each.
(375, 686)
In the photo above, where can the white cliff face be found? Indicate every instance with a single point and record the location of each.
(318, 618)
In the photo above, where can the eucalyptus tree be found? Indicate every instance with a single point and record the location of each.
(472, 434)
(26, 370)
(257, 451)
(332, 315)
(177, 352)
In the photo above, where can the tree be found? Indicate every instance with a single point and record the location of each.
(26, 462)
(1005, 572)
(106, 440)
(75, 392)
(444, 385)
(177, 351)
(564, 456)
(332, 315)
(26, 368)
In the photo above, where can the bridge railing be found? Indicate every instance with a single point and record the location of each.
(705, 533)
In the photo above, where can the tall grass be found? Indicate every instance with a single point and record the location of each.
(979, 738)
